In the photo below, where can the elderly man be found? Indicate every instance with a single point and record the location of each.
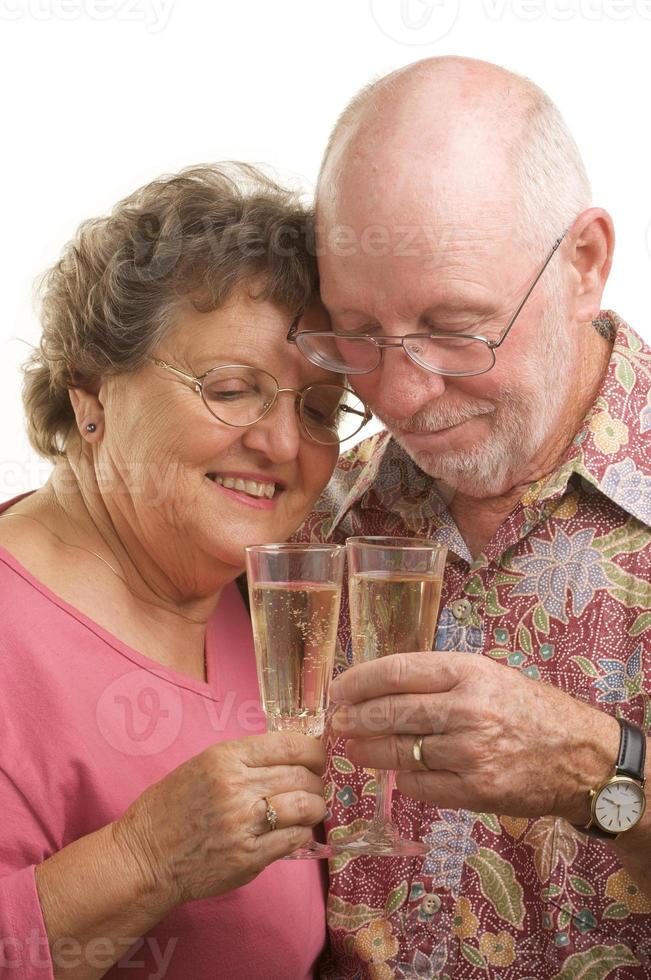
(463, 268)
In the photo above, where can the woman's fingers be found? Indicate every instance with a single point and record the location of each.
(287, 779)
(291, 810)
(283, 749)
(279, 843)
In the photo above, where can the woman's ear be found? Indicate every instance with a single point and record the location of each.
(592, 239)
(88, 409)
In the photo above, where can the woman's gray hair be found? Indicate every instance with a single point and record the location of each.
(113, 294)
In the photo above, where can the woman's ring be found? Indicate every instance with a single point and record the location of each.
(417, 752)
(272, 816)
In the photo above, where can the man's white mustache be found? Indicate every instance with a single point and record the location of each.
(429, 420)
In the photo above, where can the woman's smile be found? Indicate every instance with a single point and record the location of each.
(252, 489)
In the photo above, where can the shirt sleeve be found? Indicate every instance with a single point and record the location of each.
(24, 948)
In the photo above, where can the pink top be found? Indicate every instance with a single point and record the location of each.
(86, 724)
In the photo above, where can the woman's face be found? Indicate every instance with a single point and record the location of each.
(160, 442)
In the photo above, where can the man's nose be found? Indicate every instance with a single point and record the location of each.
(398, 388)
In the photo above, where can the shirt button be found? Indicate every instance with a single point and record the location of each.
(462, 611)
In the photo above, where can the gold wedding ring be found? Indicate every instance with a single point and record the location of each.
(272, 816)
(417, 752)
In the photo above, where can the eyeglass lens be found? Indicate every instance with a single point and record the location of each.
(359, 355)
(241, 395)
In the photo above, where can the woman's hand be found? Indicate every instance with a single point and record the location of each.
(202, 830)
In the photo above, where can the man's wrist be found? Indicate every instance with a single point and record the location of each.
(594, 756)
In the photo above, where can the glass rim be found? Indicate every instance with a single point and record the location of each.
(289, 547)
(404, 544)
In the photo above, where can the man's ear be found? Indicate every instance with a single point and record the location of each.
(592, 242)
(88, 410)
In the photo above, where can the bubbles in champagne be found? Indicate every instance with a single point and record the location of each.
(392, 612)
(295, 630)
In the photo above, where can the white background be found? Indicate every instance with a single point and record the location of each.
(101, 96)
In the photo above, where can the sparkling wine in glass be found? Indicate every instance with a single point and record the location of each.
(295, 593)
(394, 589)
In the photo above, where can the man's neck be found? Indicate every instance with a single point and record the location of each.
(479, 517)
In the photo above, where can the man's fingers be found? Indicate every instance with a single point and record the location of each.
(399, 713)
(429, 672)
(446, 789)
(397, 752)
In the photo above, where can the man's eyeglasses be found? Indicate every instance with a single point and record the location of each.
(240, 395)
(455, 354)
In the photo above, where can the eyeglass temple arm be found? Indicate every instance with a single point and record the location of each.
(496, 343)
(366, 414)
(195, 382)
(293, 329)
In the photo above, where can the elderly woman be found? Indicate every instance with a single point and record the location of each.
(135, 775)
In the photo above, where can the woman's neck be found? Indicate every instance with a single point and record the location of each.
(71, 507)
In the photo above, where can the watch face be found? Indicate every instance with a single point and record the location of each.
(619, 805)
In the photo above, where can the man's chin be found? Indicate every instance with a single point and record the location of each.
(463, 471)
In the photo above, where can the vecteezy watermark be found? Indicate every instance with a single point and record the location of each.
(415, 22)
(154, 14)
(567, 10)
(648, 239)
(139, 714)
(100, 953)
(18, 474)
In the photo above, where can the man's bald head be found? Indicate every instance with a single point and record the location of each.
(464, 130)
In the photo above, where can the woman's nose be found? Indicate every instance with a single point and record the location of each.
(398, 388)
(278, 434)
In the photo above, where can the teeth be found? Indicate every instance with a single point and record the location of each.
(252, 487)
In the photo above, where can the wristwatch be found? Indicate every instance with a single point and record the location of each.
(617, 804)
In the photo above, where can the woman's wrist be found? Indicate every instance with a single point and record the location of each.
(94, 888)
(149, 886)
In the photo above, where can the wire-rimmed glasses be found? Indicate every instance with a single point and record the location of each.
(240, 395)
(452, 354)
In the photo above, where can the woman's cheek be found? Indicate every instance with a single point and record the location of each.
(318, 469)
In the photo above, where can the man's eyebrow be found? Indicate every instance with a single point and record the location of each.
(458, 304)
(345, 311)
(450, 305)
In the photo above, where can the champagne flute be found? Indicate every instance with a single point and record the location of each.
(295, 593)
(394, 588)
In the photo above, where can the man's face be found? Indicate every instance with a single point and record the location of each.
(473, 433)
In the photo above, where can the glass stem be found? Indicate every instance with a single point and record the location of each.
(385, 780)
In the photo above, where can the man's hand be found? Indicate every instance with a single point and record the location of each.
(496, 741)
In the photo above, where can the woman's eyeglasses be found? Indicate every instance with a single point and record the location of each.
(240, 395)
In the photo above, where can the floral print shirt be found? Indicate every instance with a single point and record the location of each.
(561, 593)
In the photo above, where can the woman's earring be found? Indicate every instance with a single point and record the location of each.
(91, 427)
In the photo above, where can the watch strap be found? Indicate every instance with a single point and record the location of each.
(630, 762)
(593, 830)
(632, 751)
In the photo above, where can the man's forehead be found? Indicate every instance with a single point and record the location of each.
(419, 220)
(445, 268)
